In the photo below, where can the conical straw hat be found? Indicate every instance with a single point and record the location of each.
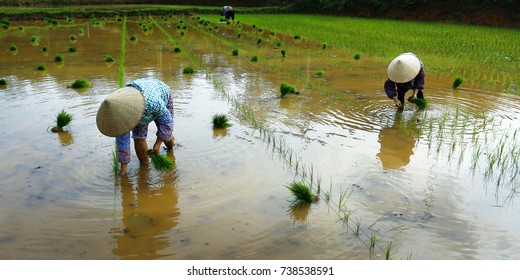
(120, 112)
(404, 68)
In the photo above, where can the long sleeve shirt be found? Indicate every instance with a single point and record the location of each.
(156, 97)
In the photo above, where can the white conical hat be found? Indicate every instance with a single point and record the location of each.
(120, 112)
(404, 68)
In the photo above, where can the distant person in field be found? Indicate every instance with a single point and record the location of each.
(228, 13)
(405, 72)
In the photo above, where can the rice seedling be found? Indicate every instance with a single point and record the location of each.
(188, 70)
(109, 58)
(234, 52)
(373, 240)
(358, 228)
(297, 37)
(177, 50)
(3, 82)
(323, 45)
(421, 103)
(457, 82)
(79, 84)
(302, 193)
(81, 31)
(45, 49)
(388, 249)
(319, 74)
(282, 52)
(159, 161)
(115, 163)
(73, 38)
(58, 58)
(13, 48)
(286, 88)
(21, 28)
(278, 44)
(62, 119)
(220, 121)
(133, 38)
(357, 56)
(259, 40)
(72, 49)
(254, 58)
(41, 67)
(34, 39)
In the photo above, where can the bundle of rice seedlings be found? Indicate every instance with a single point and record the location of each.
(41, 67)
(80, 84)
(421, 103)
(58, 58)
(357, 56)
(133, 38)
(283, 53)
(220, 121)
(13, 48)
(159, 161)
(3, 82)
(254, 58)
(319, 74)
(109, 58)
(62, 119)
(177, 49)
(302, 193)
(458, 81)
(188, 70)
(286, 88)
(234, 52)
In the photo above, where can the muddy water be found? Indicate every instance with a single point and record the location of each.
(226, 198)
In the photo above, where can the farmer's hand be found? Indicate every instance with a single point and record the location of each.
(397, 103)
(157, 146)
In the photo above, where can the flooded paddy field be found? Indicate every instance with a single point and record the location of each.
(438, 183)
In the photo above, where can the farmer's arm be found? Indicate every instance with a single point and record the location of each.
(123, 152)
(418, 83)
(391, 92)
(164, 132)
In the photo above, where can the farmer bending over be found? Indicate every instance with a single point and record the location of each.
(405, 72)
(228, 12)
(132, 108)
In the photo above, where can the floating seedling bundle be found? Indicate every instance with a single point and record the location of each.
(159, 161)
(62, 119)
(302, 193)
(220, 121)
(286, 88)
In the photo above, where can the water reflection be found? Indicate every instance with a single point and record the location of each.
(66, 138)
(148, 214)
(397, 141)
(299, 212)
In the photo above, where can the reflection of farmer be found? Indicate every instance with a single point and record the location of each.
(132, 108)
(405, 72)
(147, 214)
(396, 143)
(228, 13)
